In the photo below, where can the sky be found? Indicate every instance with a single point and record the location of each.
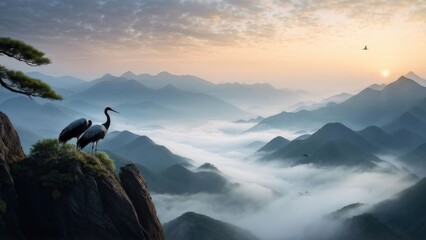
(309, 45)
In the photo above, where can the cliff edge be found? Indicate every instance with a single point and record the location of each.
(57, 192)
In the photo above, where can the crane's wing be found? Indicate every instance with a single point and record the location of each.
(93, 134)
(67, 133)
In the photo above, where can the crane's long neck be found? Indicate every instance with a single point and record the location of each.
(108, 121)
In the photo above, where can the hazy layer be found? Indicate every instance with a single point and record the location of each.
(272, 201)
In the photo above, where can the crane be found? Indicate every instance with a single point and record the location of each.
(95, 133)
(74, 130)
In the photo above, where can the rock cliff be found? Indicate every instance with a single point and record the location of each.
(57, 192)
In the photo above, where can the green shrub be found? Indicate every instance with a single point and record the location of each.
(51, 162)
(106, 161)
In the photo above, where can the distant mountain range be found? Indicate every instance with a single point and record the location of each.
(141, 150)
(257, 97)
(241, 95)
(369, 107)
(335, 145)
(305, 151)
(397, 142)
(416, 158)
(193, 226)
(145, 104)
(341, 97)
(41, 119)
(164, 171)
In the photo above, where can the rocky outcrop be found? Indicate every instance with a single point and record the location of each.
(59, 193)
(135, 187)
(10, 151)
(10, 145)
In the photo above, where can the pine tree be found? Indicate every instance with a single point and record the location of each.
(17, 81)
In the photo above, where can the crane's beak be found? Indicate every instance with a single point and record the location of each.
(114, 111)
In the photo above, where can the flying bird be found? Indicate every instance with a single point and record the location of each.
(95, 133)
(74, 130)
(365, 48)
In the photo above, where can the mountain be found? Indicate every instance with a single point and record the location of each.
(366, 227)
(377, 137)
(174, 179)
(378, 87)
(28, 138)
(162, 79)
(247, 96)
(274, 145)
(142, 150)
(117, 139)
(251, 120)
(369, 107)
(201, 181)
(408, 121)
(193, 226)
(338, 98)
(166, 101)
(46, 119)
(396, 142)
(348, 211)
(58, 82)
(114, 92)
(406, 213)
(415, 77)
(242, 95)
(405, 140)
(208, 167)
(148, 112)
(341, 153)
(416, 158)
(299, 149)
(401, 217)
(64, 85)
(341, 97)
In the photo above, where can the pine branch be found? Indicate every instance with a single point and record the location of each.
(22, 52)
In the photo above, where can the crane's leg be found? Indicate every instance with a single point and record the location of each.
(96, 147)
(93, 145)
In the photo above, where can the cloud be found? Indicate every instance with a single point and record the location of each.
(156, 24)
(272, 201)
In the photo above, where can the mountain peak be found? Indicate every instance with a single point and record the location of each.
(411, 74)
(164, 74)
(108, 75)
(275, 144)
(333, 126)
(129, 74)
(208, 166)
(169, 88)
(402, 82)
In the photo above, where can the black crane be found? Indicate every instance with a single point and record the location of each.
(74, 130)
(95, 133)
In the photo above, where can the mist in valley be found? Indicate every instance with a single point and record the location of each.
(273, 201)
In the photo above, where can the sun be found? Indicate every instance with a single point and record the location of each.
(385, 73)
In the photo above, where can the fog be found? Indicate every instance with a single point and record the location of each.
(272, 201)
